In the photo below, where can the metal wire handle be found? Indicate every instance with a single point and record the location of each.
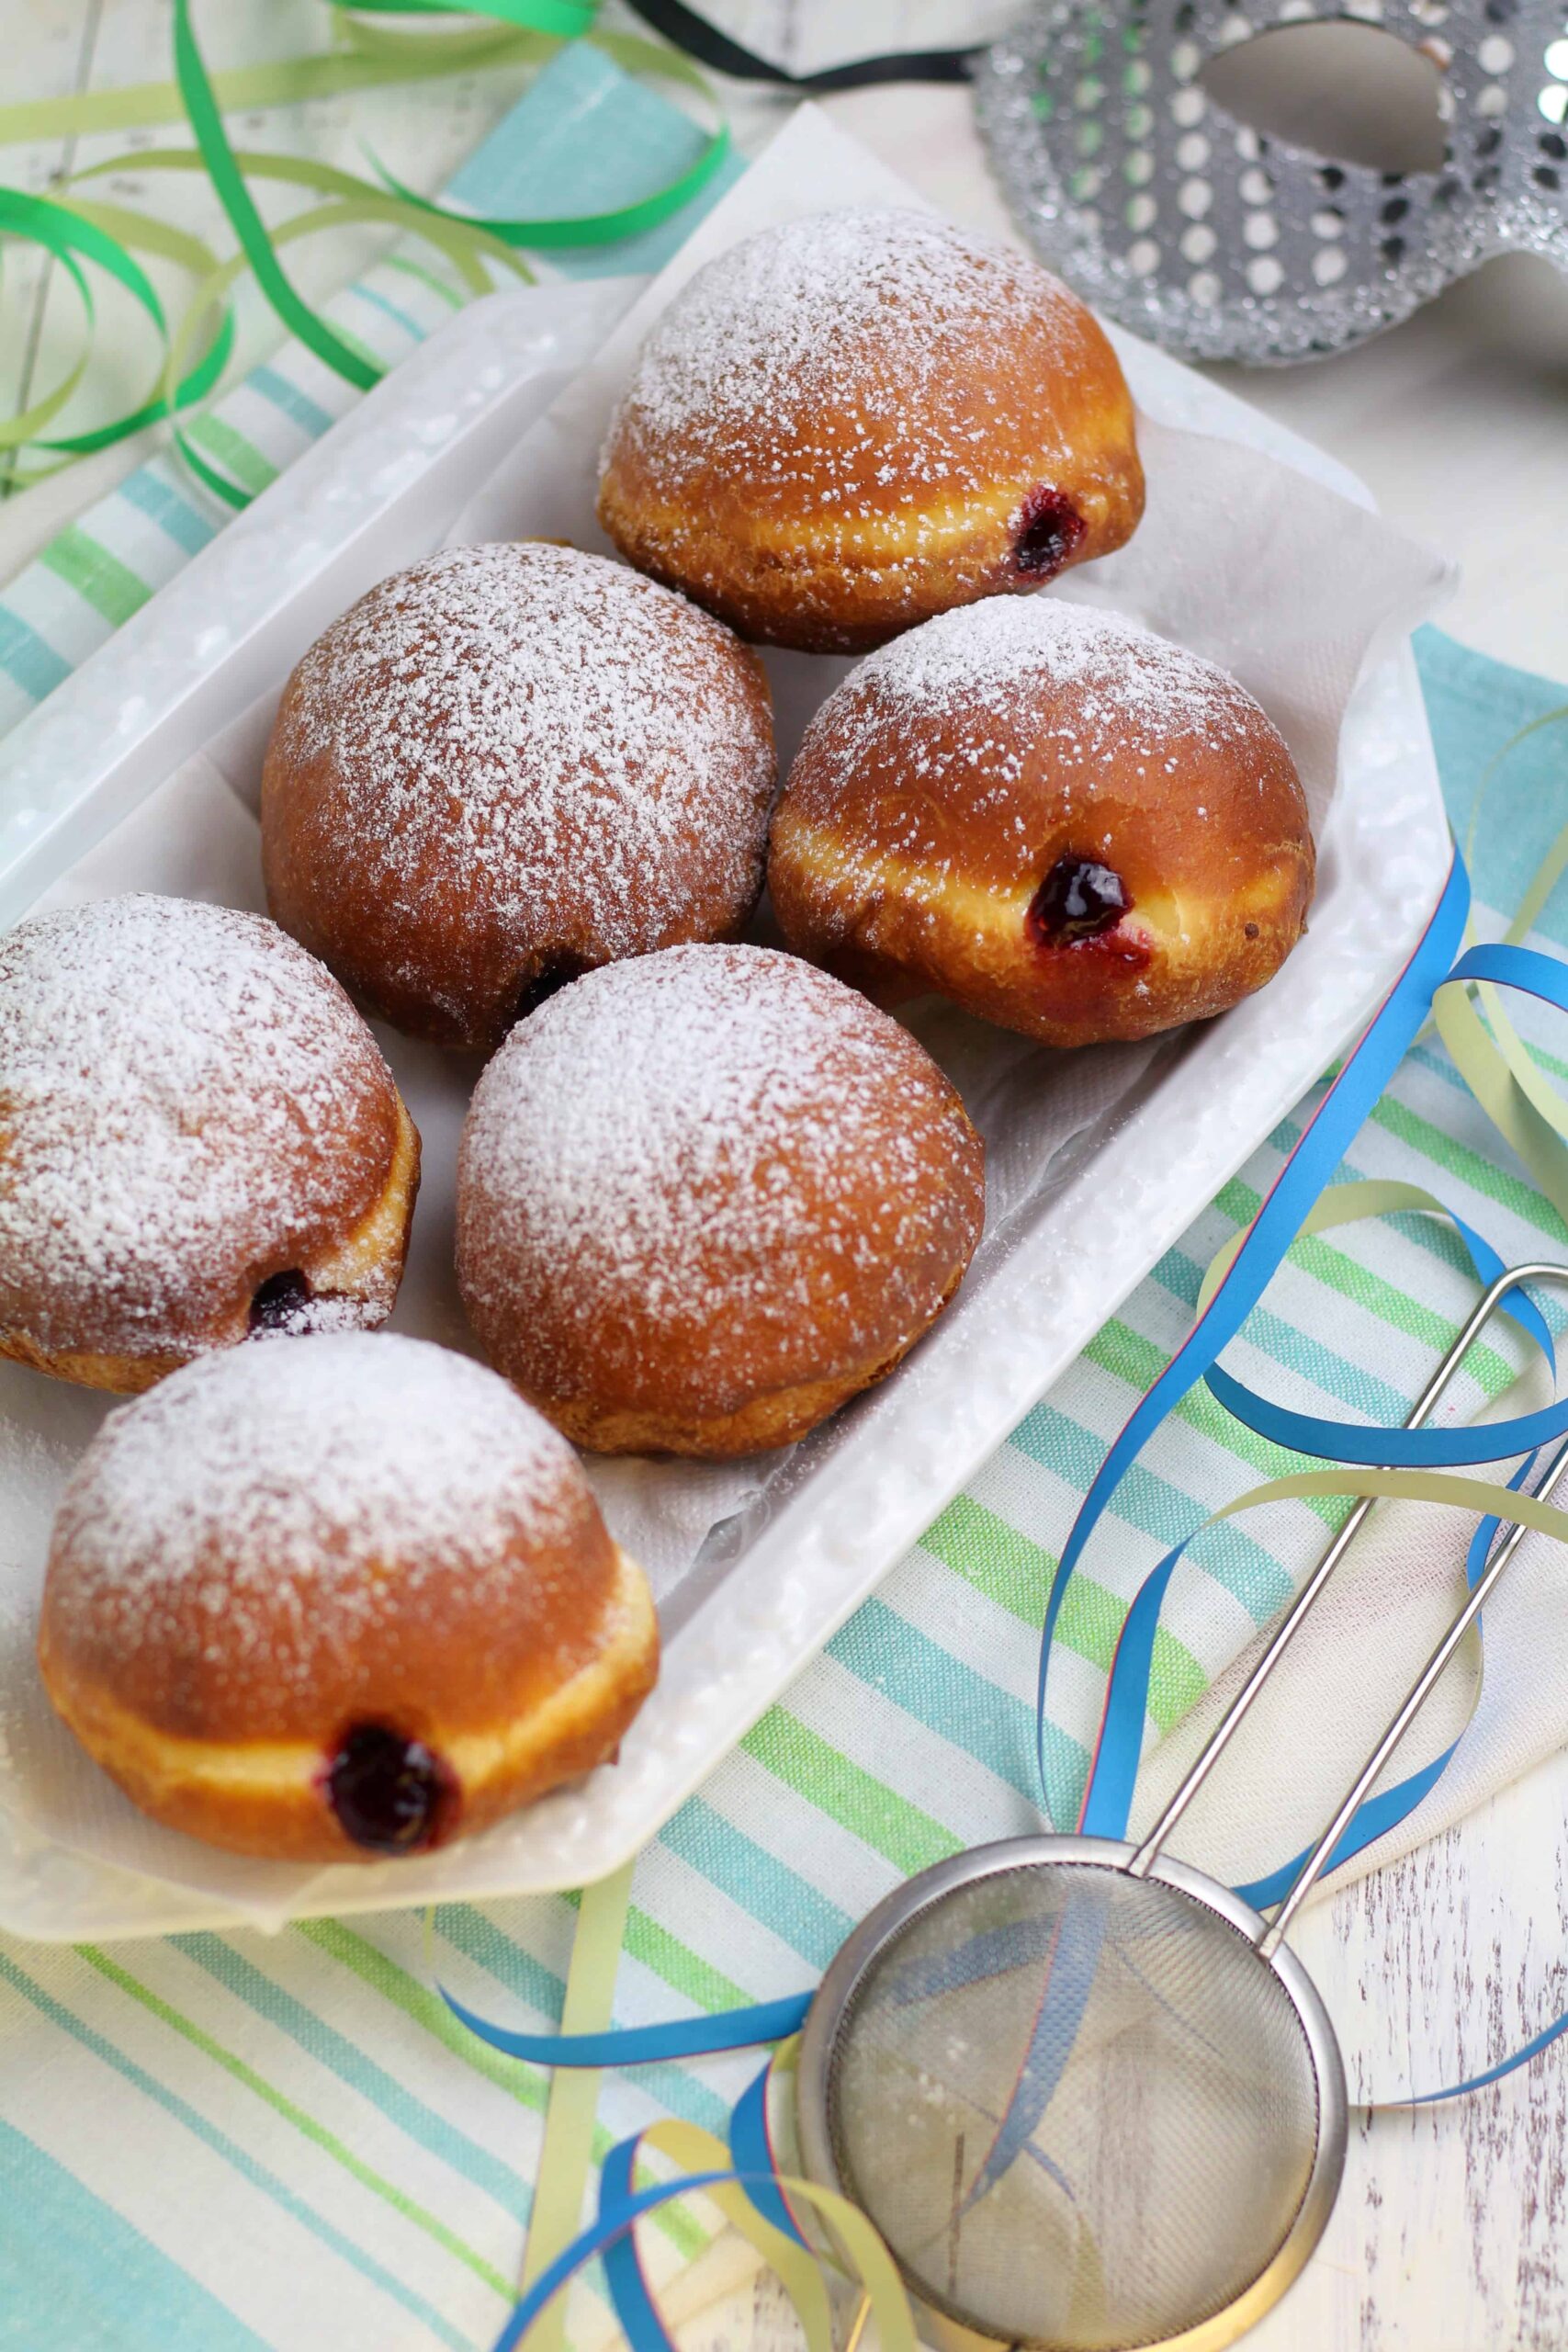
(1410, 1707)
(1148, 1852)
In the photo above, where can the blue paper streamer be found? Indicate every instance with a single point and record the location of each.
(635, 2307)
(642, 2045)
(751, 2151)
(1306, 1174)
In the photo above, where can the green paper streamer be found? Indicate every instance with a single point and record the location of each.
(568, 19)
(102, 234)
(75, 231)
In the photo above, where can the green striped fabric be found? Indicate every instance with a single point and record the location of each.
(231, 2142)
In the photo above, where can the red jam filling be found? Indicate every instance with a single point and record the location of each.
(1049, 534)
(390, 1794)
(1077, 900)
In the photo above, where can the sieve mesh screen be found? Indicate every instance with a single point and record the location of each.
(1080, 2110)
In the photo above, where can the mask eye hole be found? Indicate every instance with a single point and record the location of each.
(1348, 92)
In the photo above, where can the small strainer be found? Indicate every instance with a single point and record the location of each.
(1086, 2094)
(1080, 2109)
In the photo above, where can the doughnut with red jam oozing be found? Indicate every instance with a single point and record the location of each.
(338, 1600)
(858, 419)
(506, 766)
(1051, 816)
(705, 1197)
(200, 1140)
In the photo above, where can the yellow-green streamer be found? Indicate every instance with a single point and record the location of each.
(567, 2148)
(78, 234)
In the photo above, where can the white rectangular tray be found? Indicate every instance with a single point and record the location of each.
(379, 490)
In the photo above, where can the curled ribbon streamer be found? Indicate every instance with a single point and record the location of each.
(739, 2199)
(374, 54)
(78, 233)
(347, 359)
(588, 228)
(372, 59)
(1360, 1082)
(176, 387)
(854, 2233)
(345, 214)
(566, 19)
(567, 2150)
(751, 2142)
(642, 2045)
(1342, 1205)
(103, 234)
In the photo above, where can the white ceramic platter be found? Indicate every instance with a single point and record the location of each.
(173, 691)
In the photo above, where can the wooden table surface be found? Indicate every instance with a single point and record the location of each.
(1449, 2233)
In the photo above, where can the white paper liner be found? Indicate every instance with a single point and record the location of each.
(1241, 557)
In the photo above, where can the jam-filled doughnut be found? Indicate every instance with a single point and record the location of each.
(855, 420)
(1051, 816)
(200, 1140)
(337, 1600)
(705, 1197)
(504, 766)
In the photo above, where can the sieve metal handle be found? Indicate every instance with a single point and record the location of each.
(1231, 1720)
(1415, 1699)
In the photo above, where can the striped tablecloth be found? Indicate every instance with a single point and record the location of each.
(228, 2141)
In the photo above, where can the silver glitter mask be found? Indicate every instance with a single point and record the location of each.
(1219, 242)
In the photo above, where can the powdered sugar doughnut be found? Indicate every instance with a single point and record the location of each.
(504, 766)
(705, 1197)
(1049, 814)
(199, 1140)
(855, 420)
(339, 1600)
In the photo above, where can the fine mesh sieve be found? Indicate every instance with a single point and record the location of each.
(1076, 2105)
(1087, 2096)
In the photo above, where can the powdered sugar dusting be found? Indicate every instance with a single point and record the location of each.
(714, 1141)
(832, 336)
(586, 748)
(1127, 686)
(182, 1091)
(253, 1503)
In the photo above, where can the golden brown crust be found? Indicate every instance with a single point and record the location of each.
(506, 766)
(284, 1545)
(780, 1417)
(190, 1108)
(705, 1197)
(848, 424)
(265, 1797)
(353, 1276)
(943, 784)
